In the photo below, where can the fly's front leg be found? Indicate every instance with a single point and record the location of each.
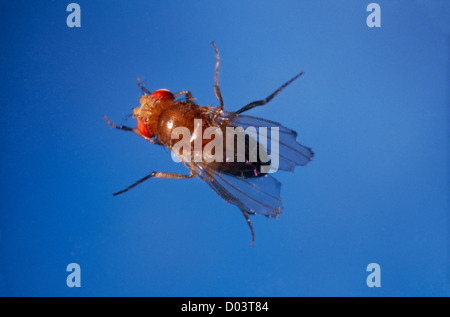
(216, 79)
(121, 127)
(187, 94)
(157, 175)
(135, 130)
(144, 90)
(263, 102)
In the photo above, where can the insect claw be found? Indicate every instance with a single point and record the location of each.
(109, 122)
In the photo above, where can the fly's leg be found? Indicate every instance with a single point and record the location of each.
(250, 226)
(135, 130)
(263, 102)
(187, 94)
(157, 175)
(144, 90)
(121, 127)
(216, 79)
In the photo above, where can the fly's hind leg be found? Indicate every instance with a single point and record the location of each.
(157, 175)
(187, 94)
(250, 226)
(216, 79)
(263, 102)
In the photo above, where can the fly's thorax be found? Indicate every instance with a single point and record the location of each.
(178, 115)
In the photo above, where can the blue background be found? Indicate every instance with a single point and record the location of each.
(373, 105)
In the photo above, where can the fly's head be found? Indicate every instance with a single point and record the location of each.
(148, 113)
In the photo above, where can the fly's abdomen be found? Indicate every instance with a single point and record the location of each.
(240, 156)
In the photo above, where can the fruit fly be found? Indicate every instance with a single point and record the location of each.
(241, 182)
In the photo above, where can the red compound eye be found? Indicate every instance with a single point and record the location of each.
(143, 128)
(162, 94)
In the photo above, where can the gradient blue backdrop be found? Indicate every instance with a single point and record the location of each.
(373, 105)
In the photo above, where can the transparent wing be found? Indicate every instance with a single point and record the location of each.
(254, 195)
(290, 152)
